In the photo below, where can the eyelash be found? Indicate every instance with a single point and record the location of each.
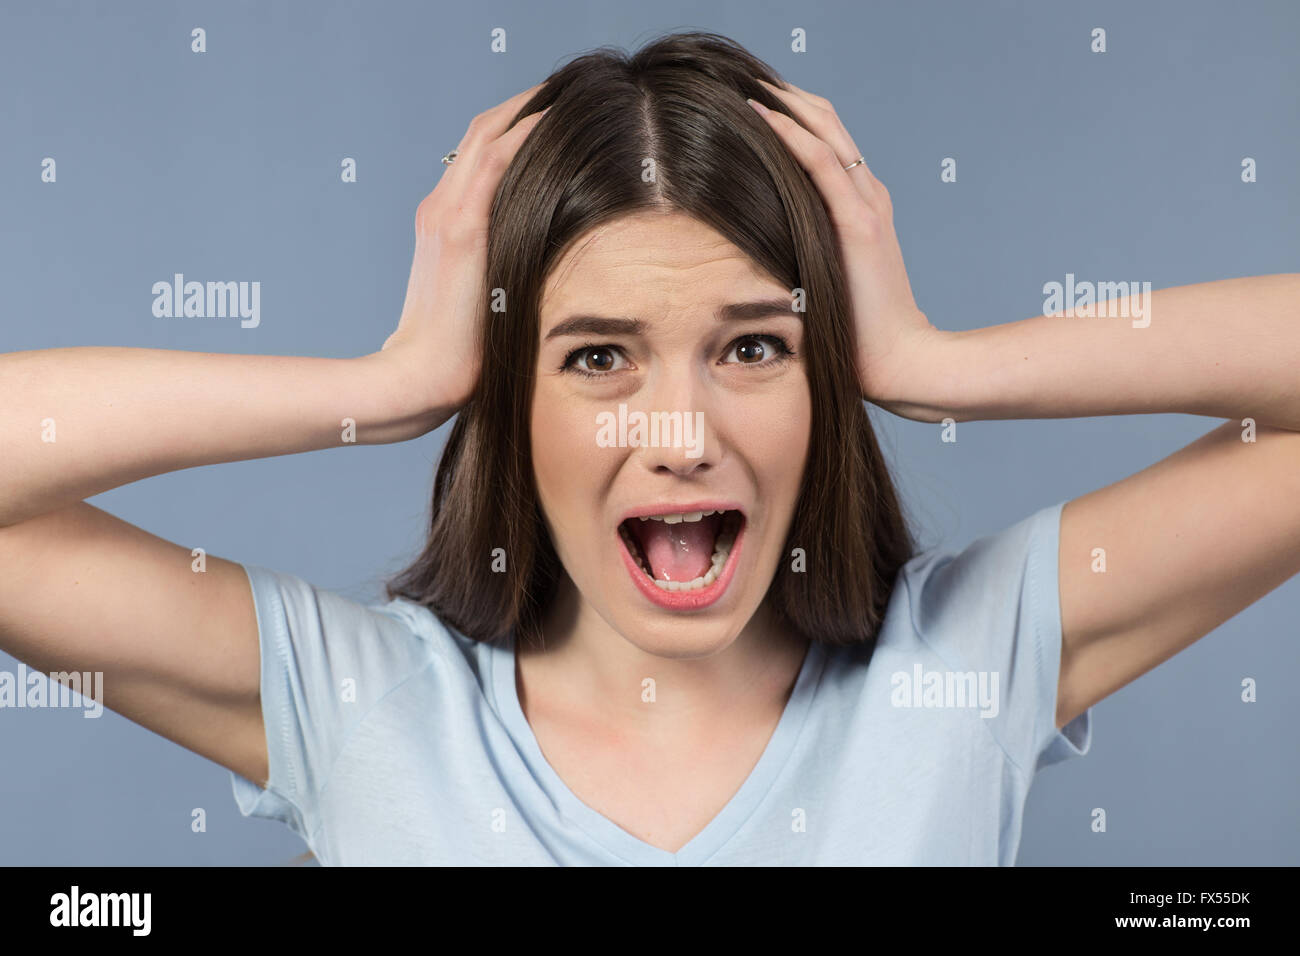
(784, 352)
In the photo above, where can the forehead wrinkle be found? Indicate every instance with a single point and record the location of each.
(697, 253)
(633, 274)
(705, 250)
(679, 256)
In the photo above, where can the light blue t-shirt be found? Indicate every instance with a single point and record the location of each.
(395, 740)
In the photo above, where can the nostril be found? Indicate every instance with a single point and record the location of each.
(688, 471)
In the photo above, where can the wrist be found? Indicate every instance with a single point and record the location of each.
(920, 376)
(404, 402)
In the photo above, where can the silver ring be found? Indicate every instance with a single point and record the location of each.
(860, 161)
(450, 157)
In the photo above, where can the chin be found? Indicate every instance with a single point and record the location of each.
(680, 639)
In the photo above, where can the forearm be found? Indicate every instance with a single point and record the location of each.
(1225, 349)
(80, 421)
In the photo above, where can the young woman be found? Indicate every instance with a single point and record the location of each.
(669, 611)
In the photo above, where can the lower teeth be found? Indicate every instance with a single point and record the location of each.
(721, 550)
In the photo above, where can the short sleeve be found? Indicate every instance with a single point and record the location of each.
(325, 661)
(994, 608)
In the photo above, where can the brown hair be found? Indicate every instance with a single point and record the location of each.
(680, 101)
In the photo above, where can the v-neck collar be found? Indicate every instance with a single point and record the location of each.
(607, 833)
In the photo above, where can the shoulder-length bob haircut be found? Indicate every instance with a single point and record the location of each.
(680, 103)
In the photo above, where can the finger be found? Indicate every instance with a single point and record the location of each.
(490, 165)
(785, 86)
(484, 128)
(813, 98)
(848, 207)
(825, 124)
(491, 123)
(821, 121)
(458, 174)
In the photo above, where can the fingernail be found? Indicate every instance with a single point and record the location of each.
(757, 105)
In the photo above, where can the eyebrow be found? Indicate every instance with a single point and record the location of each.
(734, 311)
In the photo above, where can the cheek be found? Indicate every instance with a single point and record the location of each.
(774, 435)
(569, 468)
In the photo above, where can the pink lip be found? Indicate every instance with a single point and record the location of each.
(683, 600)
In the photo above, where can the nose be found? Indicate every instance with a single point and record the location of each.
(680, 437)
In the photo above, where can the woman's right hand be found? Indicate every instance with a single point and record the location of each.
(436, 347)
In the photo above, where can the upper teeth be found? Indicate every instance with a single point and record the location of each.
(679, 516)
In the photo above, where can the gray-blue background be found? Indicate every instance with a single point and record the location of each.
(225, 166)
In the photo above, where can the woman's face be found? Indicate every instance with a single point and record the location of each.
(652, 399)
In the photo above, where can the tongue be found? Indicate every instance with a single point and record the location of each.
(679, 552)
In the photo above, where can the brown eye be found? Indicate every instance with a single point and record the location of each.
(758, 350)
(599, 360)
(594, 361)
(750, 350)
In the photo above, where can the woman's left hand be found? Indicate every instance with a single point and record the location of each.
(888, 327)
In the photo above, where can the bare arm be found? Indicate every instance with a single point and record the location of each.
(1189, 541)
(1225, 349)
(81, 590)
(83, 420)
(84, 591)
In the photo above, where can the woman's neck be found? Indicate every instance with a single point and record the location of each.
(592, 672)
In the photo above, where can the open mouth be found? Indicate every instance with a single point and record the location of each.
(682, 551)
